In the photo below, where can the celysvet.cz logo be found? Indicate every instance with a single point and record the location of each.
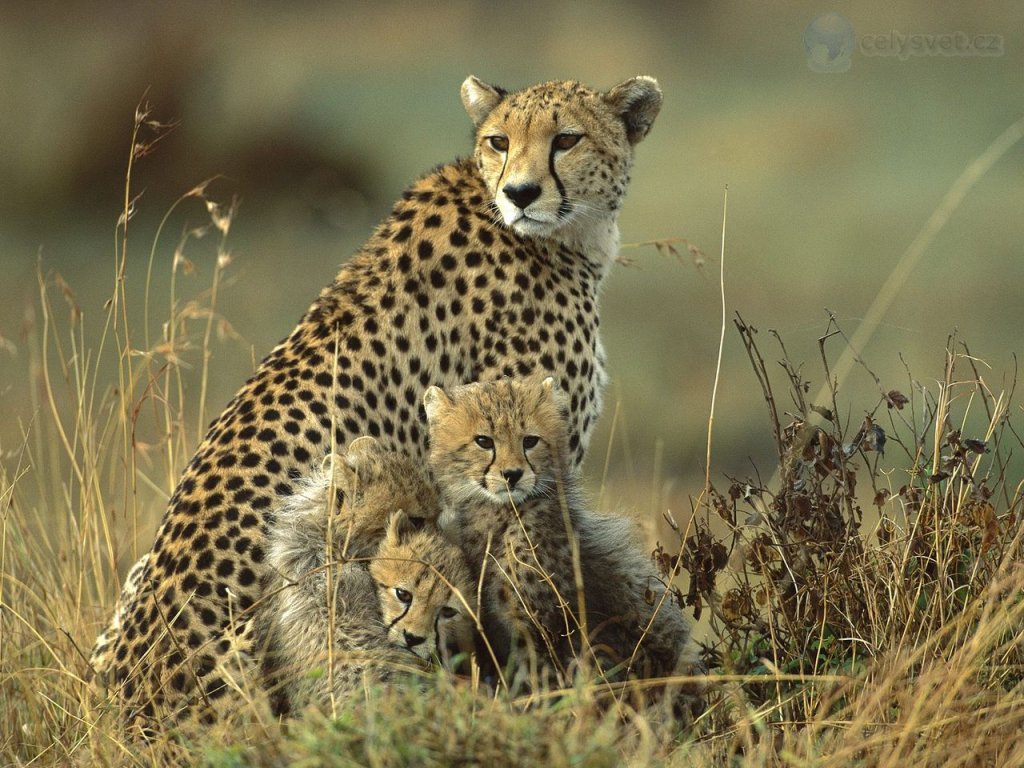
(904, 46)
(830, 43)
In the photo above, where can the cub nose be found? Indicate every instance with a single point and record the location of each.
(411, 640)
(522, 194)
(512, 476)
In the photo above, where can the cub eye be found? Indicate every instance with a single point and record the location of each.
(447, 612)
(404, 596)
(565, 141)
(484, 442)
(498, 143)
(530, 441)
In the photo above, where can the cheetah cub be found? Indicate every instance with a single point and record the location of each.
(369, 482)
(560, 583)
(393, 603)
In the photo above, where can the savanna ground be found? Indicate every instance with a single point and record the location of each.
(853, 549)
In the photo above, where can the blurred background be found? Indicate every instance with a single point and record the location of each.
(316, 115)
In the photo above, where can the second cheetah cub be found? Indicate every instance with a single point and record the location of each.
(330, 621)
(552, 570)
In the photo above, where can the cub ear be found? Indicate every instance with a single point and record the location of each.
(361, 449)
(637, 101)
(343, 473)
(551, 388)
(399, 527)
(435, 402)
(479, 98)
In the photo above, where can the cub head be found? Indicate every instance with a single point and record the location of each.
(422, 581)
(558, 153)
(373, 482)
(370, 483)
(497, 441)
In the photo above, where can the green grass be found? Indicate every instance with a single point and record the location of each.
(857, 608)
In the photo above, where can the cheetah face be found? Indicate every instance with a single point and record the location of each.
(422, 580)
(508, 474)
(558, 154)
(416, 622)
(496, 442)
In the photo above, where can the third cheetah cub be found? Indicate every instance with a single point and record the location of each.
(513, 500)
(394, 602)
(369, 483)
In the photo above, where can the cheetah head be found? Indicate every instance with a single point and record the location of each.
(558, 153)
(422, 581)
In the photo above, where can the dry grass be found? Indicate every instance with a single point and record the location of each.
(881, 637)
(865, 607)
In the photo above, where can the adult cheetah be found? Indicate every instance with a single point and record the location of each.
(487, 267)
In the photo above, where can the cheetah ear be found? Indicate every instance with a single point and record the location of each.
(360, 450)
(435, 402)
(479, 98)
(637, 101)
(399, 527)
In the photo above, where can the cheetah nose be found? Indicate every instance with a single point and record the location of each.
(522, 194)
(512, 477)
(411, 640)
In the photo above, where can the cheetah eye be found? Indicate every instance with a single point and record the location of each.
(530, 441)
(404, 596)
(498, 143)
(565, 141)
(447, 612)
(484, 442)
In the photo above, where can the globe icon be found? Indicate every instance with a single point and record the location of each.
(828, 40)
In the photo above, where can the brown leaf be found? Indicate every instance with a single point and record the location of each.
(896, 399)
(825, 413)
(886, 530)
(984, 515)
(719, 555)
(801, 505)
(873, 438)
(733, 604)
